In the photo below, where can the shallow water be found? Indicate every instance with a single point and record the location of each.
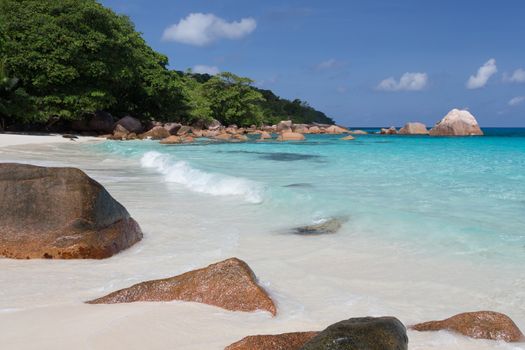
(435, 228)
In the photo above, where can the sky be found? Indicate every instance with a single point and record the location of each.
(363, 63)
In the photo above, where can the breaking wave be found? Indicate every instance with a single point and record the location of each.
(200, 181)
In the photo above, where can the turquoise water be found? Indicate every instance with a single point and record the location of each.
(463, 197)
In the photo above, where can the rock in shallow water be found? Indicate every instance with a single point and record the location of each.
(229, 284)
(285, 341)
(457, 123)
(480, 324)
(331, 225)
(364, 333)
(60, 213)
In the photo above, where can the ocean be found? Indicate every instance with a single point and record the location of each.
(430, 227)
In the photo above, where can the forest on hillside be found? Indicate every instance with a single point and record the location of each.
(62, 60)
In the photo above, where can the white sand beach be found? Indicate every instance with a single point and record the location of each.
(16, 139)
(315, 281)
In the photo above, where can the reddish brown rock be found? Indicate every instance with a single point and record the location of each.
(60, 213)
(314, 130)
(157, 133)
(290, 136)
(413, 128)
(285, 341)
(229, 284)
(223, 137)
(120, 132)
(334, 129)
(480, 325)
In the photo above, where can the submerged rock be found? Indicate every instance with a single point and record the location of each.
(285, 341)
(223, 137)
(364, 333)
(457, 123)
(358, 132)
(290, 136)
(347, 138)
(229, 284)
(265, 136)
(480, 325)
(413, 128)
(331, 225)
(60, 213)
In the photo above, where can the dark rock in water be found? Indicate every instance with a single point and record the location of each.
(60, 213)
(480, 325)
(364, 333)
(331, 225)
(287, 157)
(229, 284)
(300, 185)
(285, 341)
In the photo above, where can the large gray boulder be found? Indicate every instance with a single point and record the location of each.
(413, 128)
(60, 213)
(130, 124)
(457, 123)
(370, 333)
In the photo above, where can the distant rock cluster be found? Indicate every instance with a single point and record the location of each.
(456, 123)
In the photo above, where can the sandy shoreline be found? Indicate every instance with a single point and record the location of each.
(315, 282)
(7, 140)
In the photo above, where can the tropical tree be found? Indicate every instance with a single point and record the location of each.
(75, 57)
(233, 100)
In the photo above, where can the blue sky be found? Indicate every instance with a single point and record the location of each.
(364, 63)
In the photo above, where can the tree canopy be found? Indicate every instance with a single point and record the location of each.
(64, 59)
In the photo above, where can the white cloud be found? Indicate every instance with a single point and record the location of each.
(331, 63)
(203, 69)
(483, 75)
(518, 76)
(407, 82)
(201, 29)
(516, 100)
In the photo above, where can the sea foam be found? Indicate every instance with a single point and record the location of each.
(200, 181)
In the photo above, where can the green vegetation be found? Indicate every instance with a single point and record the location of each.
(65, 59)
